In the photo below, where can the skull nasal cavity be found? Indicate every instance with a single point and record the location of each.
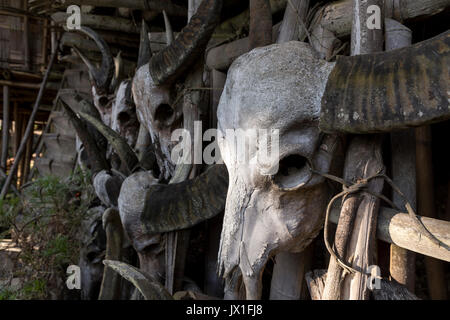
(103, 101)
(123, 117)
(163, 113)
(291, 163)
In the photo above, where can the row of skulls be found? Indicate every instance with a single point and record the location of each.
(311, 102)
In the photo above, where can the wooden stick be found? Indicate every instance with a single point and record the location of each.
(425, 191)
(5, 128)
(365, 152)
(403, 149)
(293, 21)
(396, 228)
(260, 23)
(29, 129)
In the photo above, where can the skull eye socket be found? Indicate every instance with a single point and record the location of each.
(163, 113)
(103, 101)
(293, 172)
(123, 117)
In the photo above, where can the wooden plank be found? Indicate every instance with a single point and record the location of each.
(403, 150)
(425, 192)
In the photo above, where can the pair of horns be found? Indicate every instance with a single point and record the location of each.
(387, 91)
(103, 76)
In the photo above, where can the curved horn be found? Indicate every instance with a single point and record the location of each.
(169, 32)
(104, 75)
(110, 287)
(124, 151)
(150, 289)
(391, 90)
(145, 51)
(185, 204)
(170, 63)
(96, 158)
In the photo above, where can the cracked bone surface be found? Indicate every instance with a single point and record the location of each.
(275, 87)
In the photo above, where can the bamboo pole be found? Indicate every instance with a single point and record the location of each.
(426, 207)
(403, 149)
(5, 128)
(28, 130)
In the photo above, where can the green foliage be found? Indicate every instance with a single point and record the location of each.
(45, 223)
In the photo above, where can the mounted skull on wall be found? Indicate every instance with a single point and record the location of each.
(154, 85)
(286, 87)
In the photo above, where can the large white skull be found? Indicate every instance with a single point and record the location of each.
(275, 87)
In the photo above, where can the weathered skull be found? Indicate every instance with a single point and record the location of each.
(286, 87)
(154, 84)
(268, 213)
(124, 120)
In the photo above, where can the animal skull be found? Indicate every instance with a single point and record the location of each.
(124, 119)
(154, 84)
(283, 212)
(286, 87)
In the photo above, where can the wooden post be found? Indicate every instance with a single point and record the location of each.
(294, 20)
(28, 130)
(426, 207)
(357, 224)
(260, 23)
(403, 149)
(5, 128)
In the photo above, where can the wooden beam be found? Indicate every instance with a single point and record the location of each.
(260, 34)
(154, 5)
(337, 17)
(221, 57)
(403, 150)
(100, 22)
(366, 152)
